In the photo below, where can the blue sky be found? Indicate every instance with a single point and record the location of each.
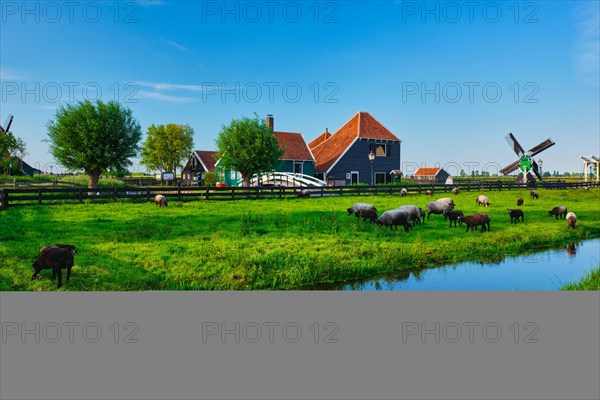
(451, 80)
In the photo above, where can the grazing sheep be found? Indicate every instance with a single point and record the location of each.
(455, 191)
(55, 257)
(393, 218)
(160, 200)
(446, 200)
(304, 193)
(413, 212)
(429, 193)
(483, 200)
(363, 210)
(437, 208)
(368, 214)
(520, 202)
(559, 211)
(473, 221)
(422, 213)
(403, 192)
(587, 188)
(571, 220)
(454, 216)
(515, 215)
(534, 194)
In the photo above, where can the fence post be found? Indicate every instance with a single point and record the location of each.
(39, 196)
(206, 194)
(80, 195)
(321, 191)
(115, 194)
(3, 199)
(147, 194)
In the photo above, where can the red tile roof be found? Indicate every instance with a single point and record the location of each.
(207, 158)
(362, 125)
(427, 171)
(295, 146)
(320, 139)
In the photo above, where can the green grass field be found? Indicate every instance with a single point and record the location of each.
(269, 244)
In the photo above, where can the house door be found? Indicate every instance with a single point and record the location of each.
(354, 177)
(379, 178)
(298, 167)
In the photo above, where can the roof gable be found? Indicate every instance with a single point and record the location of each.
(294, 145)
(361, 125)
(207, 159)
(319, 139)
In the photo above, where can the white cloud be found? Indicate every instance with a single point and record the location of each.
(144, 94)
(586, 49)
(8, 75)
(171, 86)
(151, 3)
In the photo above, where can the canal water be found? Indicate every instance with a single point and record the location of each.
(544, 270)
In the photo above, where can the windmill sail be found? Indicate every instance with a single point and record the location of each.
(514, 145)
(541, 147)
(536, 169)
(510, 168)
(7, 124)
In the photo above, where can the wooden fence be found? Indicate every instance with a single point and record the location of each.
(31, 196)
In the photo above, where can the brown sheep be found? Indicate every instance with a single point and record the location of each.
(534, 194)
(429, 193)
(520, 202)
(160, 200)
(55, 257)
(473, 221)
(453, 217)
(455, 190)
(571, 220)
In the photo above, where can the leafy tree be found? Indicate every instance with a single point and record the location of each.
(10, 145)
(167, 147)
(546, 174)
(210, 178)
(247, 145)
(566, 174)
(94, 137)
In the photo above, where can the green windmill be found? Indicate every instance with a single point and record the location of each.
(526, 164)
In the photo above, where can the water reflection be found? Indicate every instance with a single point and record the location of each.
(544, 270)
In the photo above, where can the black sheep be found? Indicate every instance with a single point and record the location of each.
(55, 257)
(515, 215)
(520, 202)
(560, 211)
(453, 217)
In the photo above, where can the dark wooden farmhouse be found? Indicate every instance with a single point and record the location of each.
(431, 175)
(200, 163)
(361, 151)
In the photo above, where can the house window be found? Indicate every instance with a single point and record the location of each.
(354, 177)
(380, 150)
(298, 167)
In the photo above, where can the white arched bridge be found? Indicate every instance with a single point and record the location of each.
(284, 179)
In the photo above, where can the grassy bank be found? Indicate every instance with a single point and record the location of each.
(268, 244)
(589, 282)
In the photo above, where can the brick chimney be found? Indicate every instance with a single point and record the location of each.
(271, 122)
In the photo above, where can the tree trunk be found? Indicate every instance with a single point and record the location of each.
(93, 178)
(246, 180)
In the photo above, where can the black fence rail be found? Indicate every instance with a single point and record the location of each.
(32, 196)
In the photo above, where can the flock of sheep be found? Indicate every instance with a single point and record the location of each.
(409, 216)
(61, 256)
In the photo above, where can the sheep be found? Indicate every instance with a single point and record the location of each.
(437, 208)
(534, 194)
(368, 214)
(559, 211)
(304, 193)
(515, 214)
(422, 213)
(571, 220)
(413, 212)
(429, 193)
(55, 257)
(160, 200)
(455, 190)
(453, 216)
(482, 200)
(473, 221)
(520, 202)
(446, 200)
(393, 218)
(403, 192)
(357, 208)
